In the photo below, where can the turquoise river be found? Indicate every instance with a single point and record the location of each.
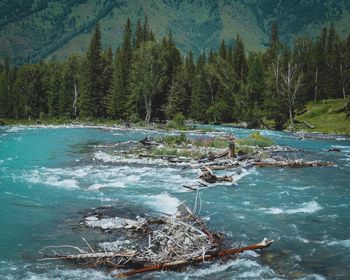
(50, 175)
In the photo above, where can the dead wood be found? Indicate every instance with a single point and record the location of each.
(211, 178)
(214, 156)
(172, 242)
(173, 265)
(293, 163)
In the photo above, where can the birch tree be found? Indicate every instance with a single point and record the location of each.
(147, 75)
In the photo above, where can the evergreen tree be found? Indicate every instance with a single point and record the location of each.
(146, 33)
(120, 91)
(332, 84)
(254, 90)
(239, 60)
(200, 97)
(138, 39)
(178, 100)
(91, 102)
(52, 82)
(32, 98)
(256, 79)
(5, 90)
(172, 60)
(107, 75)
(320, 66)
(222, 50)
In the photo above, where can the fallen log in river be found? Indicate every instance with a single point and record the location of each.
(226, 252)
(165, 243)
(292, 163)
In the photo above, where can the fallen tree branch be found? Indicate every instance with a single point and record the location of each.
(293, 163)
(172, 265)
(209, 177)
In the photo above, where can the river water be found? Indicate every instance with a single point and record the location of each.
(48, 177)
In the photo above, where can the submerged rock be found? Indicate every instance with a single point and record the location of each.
(109, 223)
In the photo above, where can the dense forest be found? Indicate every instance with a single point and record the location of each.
(151, 80)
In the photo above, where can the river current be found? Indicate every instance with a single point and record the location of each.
(50, 175)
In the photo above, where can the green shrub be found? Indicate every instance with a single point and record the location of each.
(256, 139)
(178, 122)
(176, 139)
(317, 112)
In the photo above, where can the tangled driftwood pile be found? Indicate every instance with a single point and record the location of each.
(170, 242)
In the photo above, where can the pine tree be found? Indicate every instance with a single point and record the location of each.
(274, 50)
(172, 60)
(178, 100)
(138, 39)
(146, 33)
(256, 79)
(200, 97)
(5, 90)
(3, 96)
(32, 101)
(319, 66)
(52, 82)
(107, 75)
(222, 51)
(332, 85)
(120, 90)
(91, 96)
(239, 60)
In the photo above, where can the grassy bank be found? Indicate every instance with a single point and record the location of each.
(325, 116)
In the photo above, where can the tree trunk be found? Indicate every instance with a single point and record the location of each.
(148, 106)
(316, 85)
(75, 99)
(291, 116)
(343, 87)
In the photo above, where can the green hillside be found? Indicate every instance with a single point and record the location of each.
(326, 116)
(42, 29)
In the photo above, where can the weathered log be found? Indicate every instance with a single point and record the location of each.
(293, 163)
(99, 255)
(209, 177)
(213, 156)
(309, 125)
(173, 265)
(148, 142)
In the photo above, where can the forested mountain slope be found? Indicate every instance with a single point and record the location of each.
(42, 29)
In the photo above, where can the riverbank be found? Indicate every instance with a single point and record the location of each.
(311, 124)
(326, 116)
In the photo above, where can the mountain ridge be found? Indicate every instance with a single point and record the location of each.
(34, 30)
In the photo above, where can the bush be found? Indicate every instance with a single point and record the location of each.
(256, 139)
(177, 139)
(178, 122)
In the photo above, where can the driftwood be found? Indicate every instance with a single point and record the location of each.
(172, 242)
(214, 156)
(172, 265)
(85, 256)
(293, 163)
(147, 141)
(209, 177)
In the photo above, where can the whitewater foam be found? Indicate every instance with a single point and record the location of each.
(306, 207)
(48, 177)
(343, 243)
(163, 202)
